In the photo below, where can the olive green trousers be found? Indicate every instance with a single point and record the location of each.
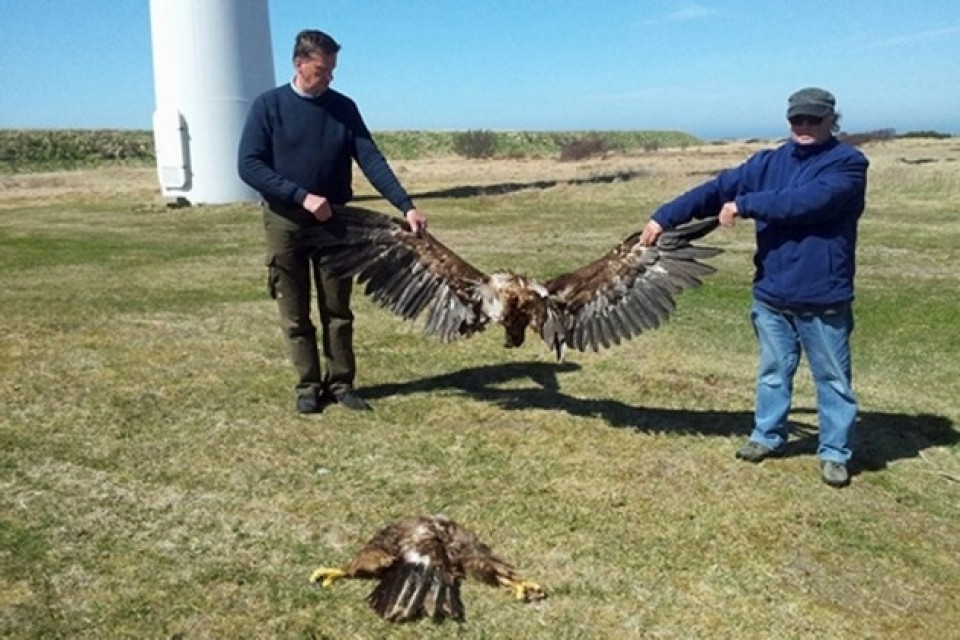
(291, 275)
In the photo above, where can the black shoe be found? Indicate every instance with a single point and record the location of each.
(755, 452)
(308, 403)
(351, 400)
(834, 474)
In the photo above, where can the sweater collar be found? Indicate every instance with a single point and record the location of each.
(303, 94)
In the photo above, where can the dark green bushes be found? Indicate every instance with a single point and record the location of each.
(475, 144)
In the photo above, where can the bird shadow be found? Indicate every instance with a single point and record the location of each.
(880, 437)
(503, 188)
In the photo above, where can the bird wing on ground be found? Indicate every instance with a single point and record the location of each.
(630, 289)
(482, 563)
(419, 562)
(403, 271)
(419, 579)
(380, 552)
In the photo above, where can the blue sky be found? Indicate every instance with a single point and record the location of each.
(714, 69)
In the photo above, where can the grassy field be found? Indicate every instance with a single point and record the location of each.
(156, 481)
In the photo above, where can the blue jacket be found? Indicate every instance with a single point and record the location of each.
(293, 145)
(806, 202)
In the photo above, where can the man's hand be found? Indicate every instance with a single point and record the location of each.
(318, 206)
(418, 221)
(728, 214)
(650, 233)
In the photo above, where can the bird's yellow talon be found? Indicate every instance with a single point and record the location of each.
(526, 590)
(329, 576)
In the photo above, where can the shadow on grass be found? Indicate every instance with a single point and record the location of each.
(472, 191)
(881, 437)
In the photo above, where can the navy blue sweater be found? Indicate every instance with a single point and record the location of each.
(294, 145)
(806, 201)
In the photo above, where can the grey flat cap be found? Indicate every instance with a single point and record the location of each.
(811, 102)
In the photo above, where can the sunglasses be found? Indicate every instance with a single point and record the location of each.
(805, 120)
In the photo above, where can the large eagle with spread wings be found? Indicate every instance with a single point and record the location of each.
(616, 297)
(419, 563)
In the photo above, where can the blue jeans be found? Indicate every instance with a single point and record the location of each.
(825, 338)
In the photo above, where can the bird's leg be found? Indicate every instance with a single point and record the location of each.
(526, 590)
(328, 575)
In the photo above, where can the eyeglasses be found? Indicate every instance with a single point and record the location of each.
(797, 121)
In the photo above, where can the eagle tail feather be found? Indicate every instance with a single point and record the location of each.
(406, 592)
(443, 600)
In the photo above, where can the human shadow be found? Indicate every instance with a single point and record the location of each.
(472, 191)
(880, 437)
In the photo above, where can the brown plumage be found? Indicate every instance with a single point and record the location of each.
(419, 563)
(628, 290)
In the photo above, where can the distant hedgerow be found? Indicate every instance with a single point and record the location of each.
(30, 150)
(857, 139)
(936, 135)
(583, 147)
(43, 149)
(475, 144)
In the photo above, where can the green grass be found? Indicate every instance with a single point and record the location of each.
(157, 483)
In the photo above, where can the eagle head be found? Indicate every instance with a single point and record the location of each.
(525, 302)
(515, 329)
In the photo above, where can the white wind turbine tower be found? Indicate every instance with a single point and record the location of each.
(211, 58)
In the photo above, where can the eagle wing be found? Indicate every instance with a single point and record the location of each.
(480, 562)
(403, 271)
(630, 289)
(419, 563)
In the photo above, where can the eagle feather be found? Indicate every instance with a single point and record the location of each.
(419, 563)
(616, 297)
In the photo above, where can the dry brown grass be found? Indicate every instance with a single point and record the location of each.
(156, 482)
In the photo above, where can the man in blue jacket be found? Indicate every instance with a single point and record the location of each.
(805, 199)
(297, 149)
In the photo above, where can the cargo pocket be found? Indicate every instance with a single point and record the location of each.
(273, 277)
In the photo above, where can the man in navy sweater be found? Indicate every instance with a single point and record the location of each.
(297, 149)
(805, 199)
